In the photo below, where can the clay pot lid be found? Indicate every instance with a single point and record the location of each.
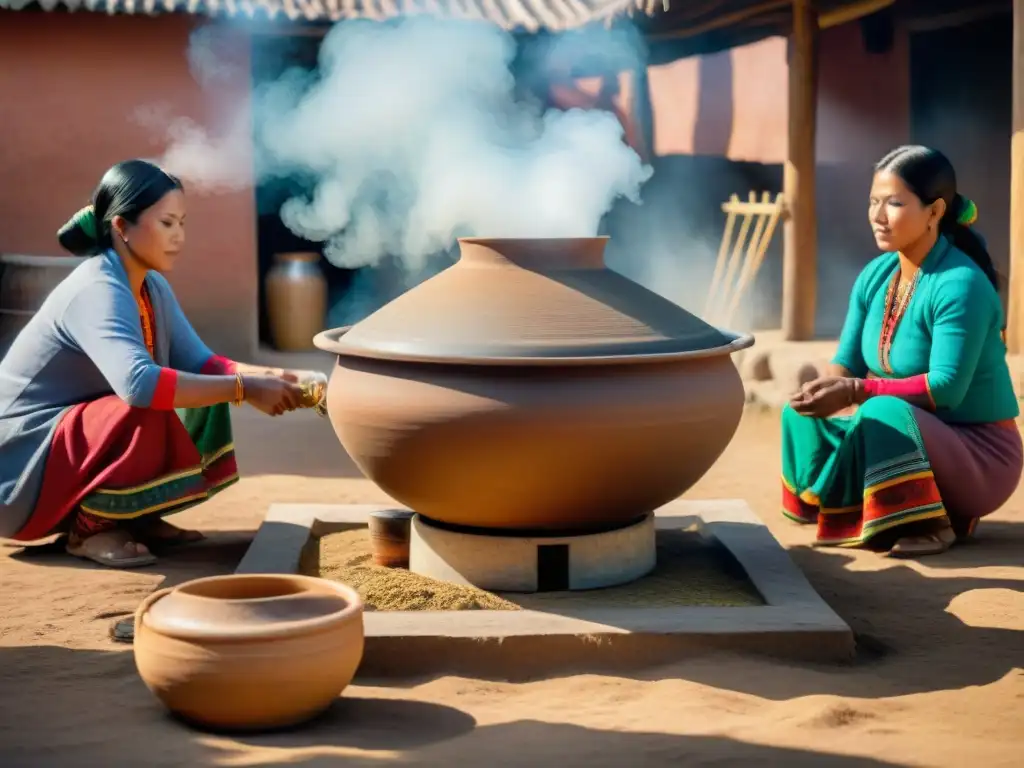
(248, 606)
(530, 302)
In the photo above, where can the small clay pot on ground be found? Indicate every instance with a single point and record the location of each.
(389, 531)
(249, 652)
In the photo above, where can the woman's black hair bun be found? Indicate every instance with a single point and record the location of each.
(80, 235)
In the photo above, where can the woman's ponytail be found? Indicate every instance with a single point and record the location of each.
(957, 224)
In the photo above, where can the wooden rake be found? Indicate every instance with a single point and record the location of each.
(739, 261)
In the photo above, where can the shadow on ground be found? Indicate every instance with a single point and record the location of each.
(363, 731)
(997, 543)
(906, 633)
(218, 554)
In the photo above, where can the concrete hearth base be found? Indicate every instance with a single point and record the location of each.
(507, 563)
(794, 621)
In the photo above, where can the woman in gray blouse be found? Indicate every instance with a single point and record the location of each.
(113, 412)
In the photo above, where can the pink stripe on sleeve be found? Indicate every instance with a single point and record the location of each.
(218, 366)
(166, 385)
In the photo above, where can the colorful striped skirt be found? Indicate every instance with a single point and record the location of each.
(891, 464)
(111, 464)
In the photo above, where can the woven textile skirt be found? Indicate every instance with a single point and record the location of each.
(112, 464)
(890, 464)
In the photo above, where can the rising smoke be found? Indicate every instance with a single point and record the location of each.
(414, 134)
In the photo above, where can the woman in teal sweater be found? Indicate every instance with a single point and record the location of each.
(913, 431)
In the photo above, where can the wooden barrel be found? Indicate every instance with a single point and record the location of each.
(25, 282)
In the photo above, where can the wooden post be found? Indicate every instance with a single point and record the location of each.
(1015, 289)
(643, 111)
(800, 230)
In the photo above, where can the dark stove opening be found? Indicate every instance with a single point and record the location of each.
(552, 567)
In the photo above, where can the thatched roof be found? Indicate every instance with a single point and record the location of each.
(683, 26)
(528, 15)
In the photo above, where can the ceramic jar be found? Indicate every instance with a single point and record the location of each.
(390, 531)
(296, 292)
(529, 387)
(249, 652)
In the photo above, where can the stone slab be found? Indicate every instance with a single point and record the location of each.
(795, 621)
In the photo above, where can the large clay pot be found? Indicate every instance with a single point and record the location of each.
(296, 300)
(25, 282)
(249, 652)
(530, 387)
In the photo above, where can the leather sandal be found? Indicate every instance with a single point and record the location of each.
(927, 544)
(111, 549)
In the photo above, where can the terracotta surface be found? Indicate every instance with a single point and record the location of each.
(510, 302)
(249, 652)
(501, 392)
(296, 300)
(389, 532)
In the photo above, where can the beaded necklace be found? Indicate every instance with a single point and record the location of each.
(897, 298)
(146, 318)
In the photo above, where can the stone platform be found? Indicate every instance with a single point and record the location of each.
(794, 621)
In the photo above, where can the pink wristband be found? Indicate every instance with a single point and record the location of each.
(915, 385)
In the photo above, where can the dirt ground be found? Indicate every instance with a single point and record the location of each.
(938, 681)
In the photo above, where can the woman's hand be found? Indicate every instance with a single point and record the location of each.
(826, 396)
(299, 377)
(272, 394)
(294, 376)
